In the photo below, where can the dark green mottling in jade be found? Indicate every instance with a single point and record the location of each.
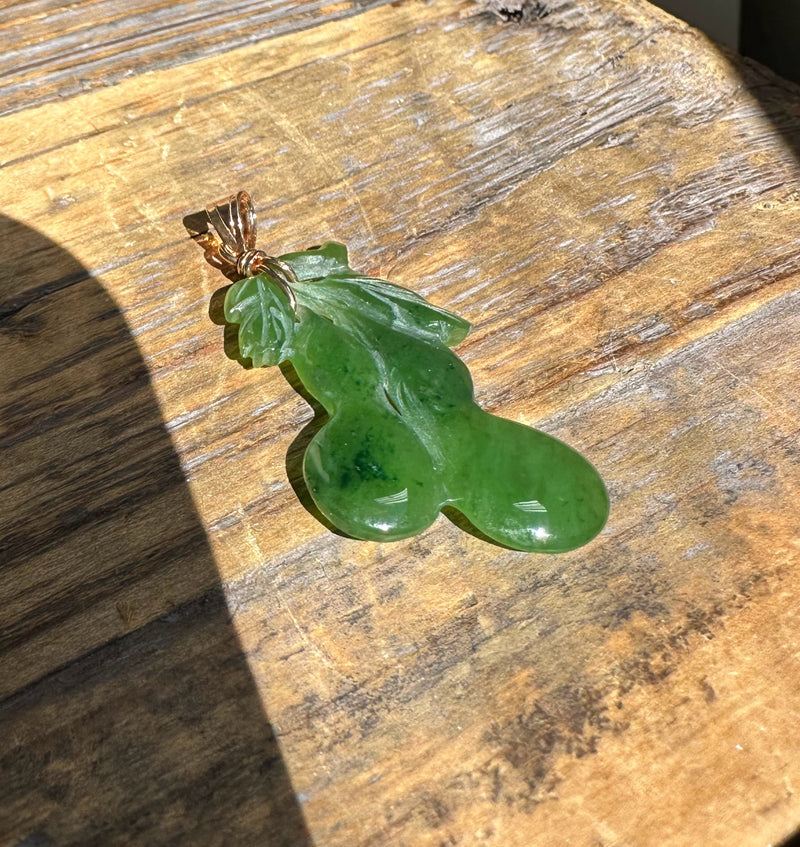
(404, 436)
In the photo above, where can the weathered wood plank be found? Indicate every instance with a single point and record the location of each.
(602, 196)
(49, 50)
(158, 738)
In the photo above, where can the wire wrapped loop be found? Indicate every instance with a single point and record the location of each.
(227, 233)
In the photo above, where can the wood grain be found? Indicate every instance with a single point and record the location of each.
(51, 50)
(613, 203)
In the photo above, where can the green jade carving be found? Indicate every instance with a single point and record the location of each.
(405, 437)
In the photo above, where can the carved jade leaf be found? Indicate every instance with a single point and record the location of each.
(265, 317)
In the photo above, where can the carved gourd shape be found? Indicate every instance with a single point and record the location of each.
(405, 437)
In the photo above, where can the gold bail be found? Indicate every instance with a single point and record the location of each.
(227, 233)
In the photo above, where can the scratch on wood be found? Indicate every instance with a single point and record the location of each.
(771, 403)
(299, 137)
(310, 643)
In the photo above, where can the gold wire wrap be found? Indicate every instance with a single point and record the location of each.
(227, 233)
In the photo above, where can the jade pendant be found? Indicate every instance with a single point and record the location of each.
(404, 437)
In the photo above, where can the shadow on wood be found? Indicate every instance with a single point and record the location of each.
(778, 99)
(794, 840)
(127, 708)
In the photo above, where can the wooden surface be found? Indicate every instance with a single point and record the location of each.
(188, 656)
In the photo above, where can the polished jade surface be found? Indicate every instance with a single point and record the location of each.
(404, 437)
